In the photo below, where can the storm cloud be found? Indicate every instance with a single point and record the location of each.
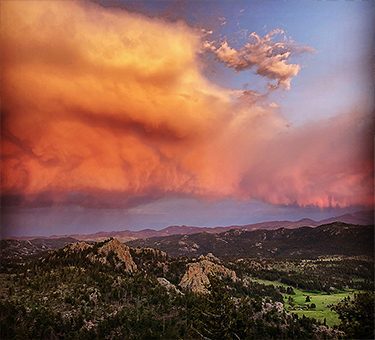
(107, 108)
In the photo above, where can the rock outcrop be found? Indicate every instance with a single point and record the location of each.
(77, 247)
(210, 257)
(153, 252)
(196, 277)
(170, 287)
(121, 252)
(111, 251)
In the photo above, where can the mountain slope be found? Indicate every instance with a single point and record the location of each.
(330, 239)
(19, 249)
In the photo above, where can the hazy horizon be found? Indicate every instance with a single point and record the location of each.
(108, 227)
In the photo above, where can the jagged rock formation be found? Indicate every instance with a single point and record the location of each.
(196, 277)
(77, 247)
(165, 283)
(121, 251)
(210, 257)
(111, 251)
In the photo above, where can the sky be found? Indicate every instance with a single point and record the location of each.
(142, 114)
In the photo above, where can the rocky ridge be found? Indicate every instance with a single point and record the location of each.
(197, 275)
(111, 250)
(169, 286)
(152, 252)
(77, 247)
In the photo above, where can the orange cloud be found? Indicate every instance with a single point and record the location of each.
(108, 108)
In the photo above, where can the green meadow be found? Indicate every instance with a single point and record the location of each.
(322, 301)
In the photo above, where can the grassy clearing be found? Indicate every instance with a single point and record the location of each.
(321, 300)
(269, 283)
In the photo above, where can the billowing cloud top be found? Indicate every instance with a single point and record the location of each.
(268, 57)
(107, 108)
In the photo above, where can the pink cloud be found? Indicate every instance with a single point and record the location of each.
(269, 58)
(108, 108)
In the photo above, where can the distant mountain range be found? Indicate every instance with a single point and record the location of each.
(357, 218)
(336, 238)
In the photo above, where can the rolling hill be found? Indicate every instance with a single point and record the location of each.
(306, 242)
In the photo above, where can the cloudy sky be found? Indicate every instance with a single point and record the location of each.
(124, 115)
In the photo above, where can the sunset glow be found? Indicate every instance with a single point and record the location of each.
(115, 108)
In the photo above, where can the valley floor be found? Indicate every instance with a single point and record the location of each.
(322, 301)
